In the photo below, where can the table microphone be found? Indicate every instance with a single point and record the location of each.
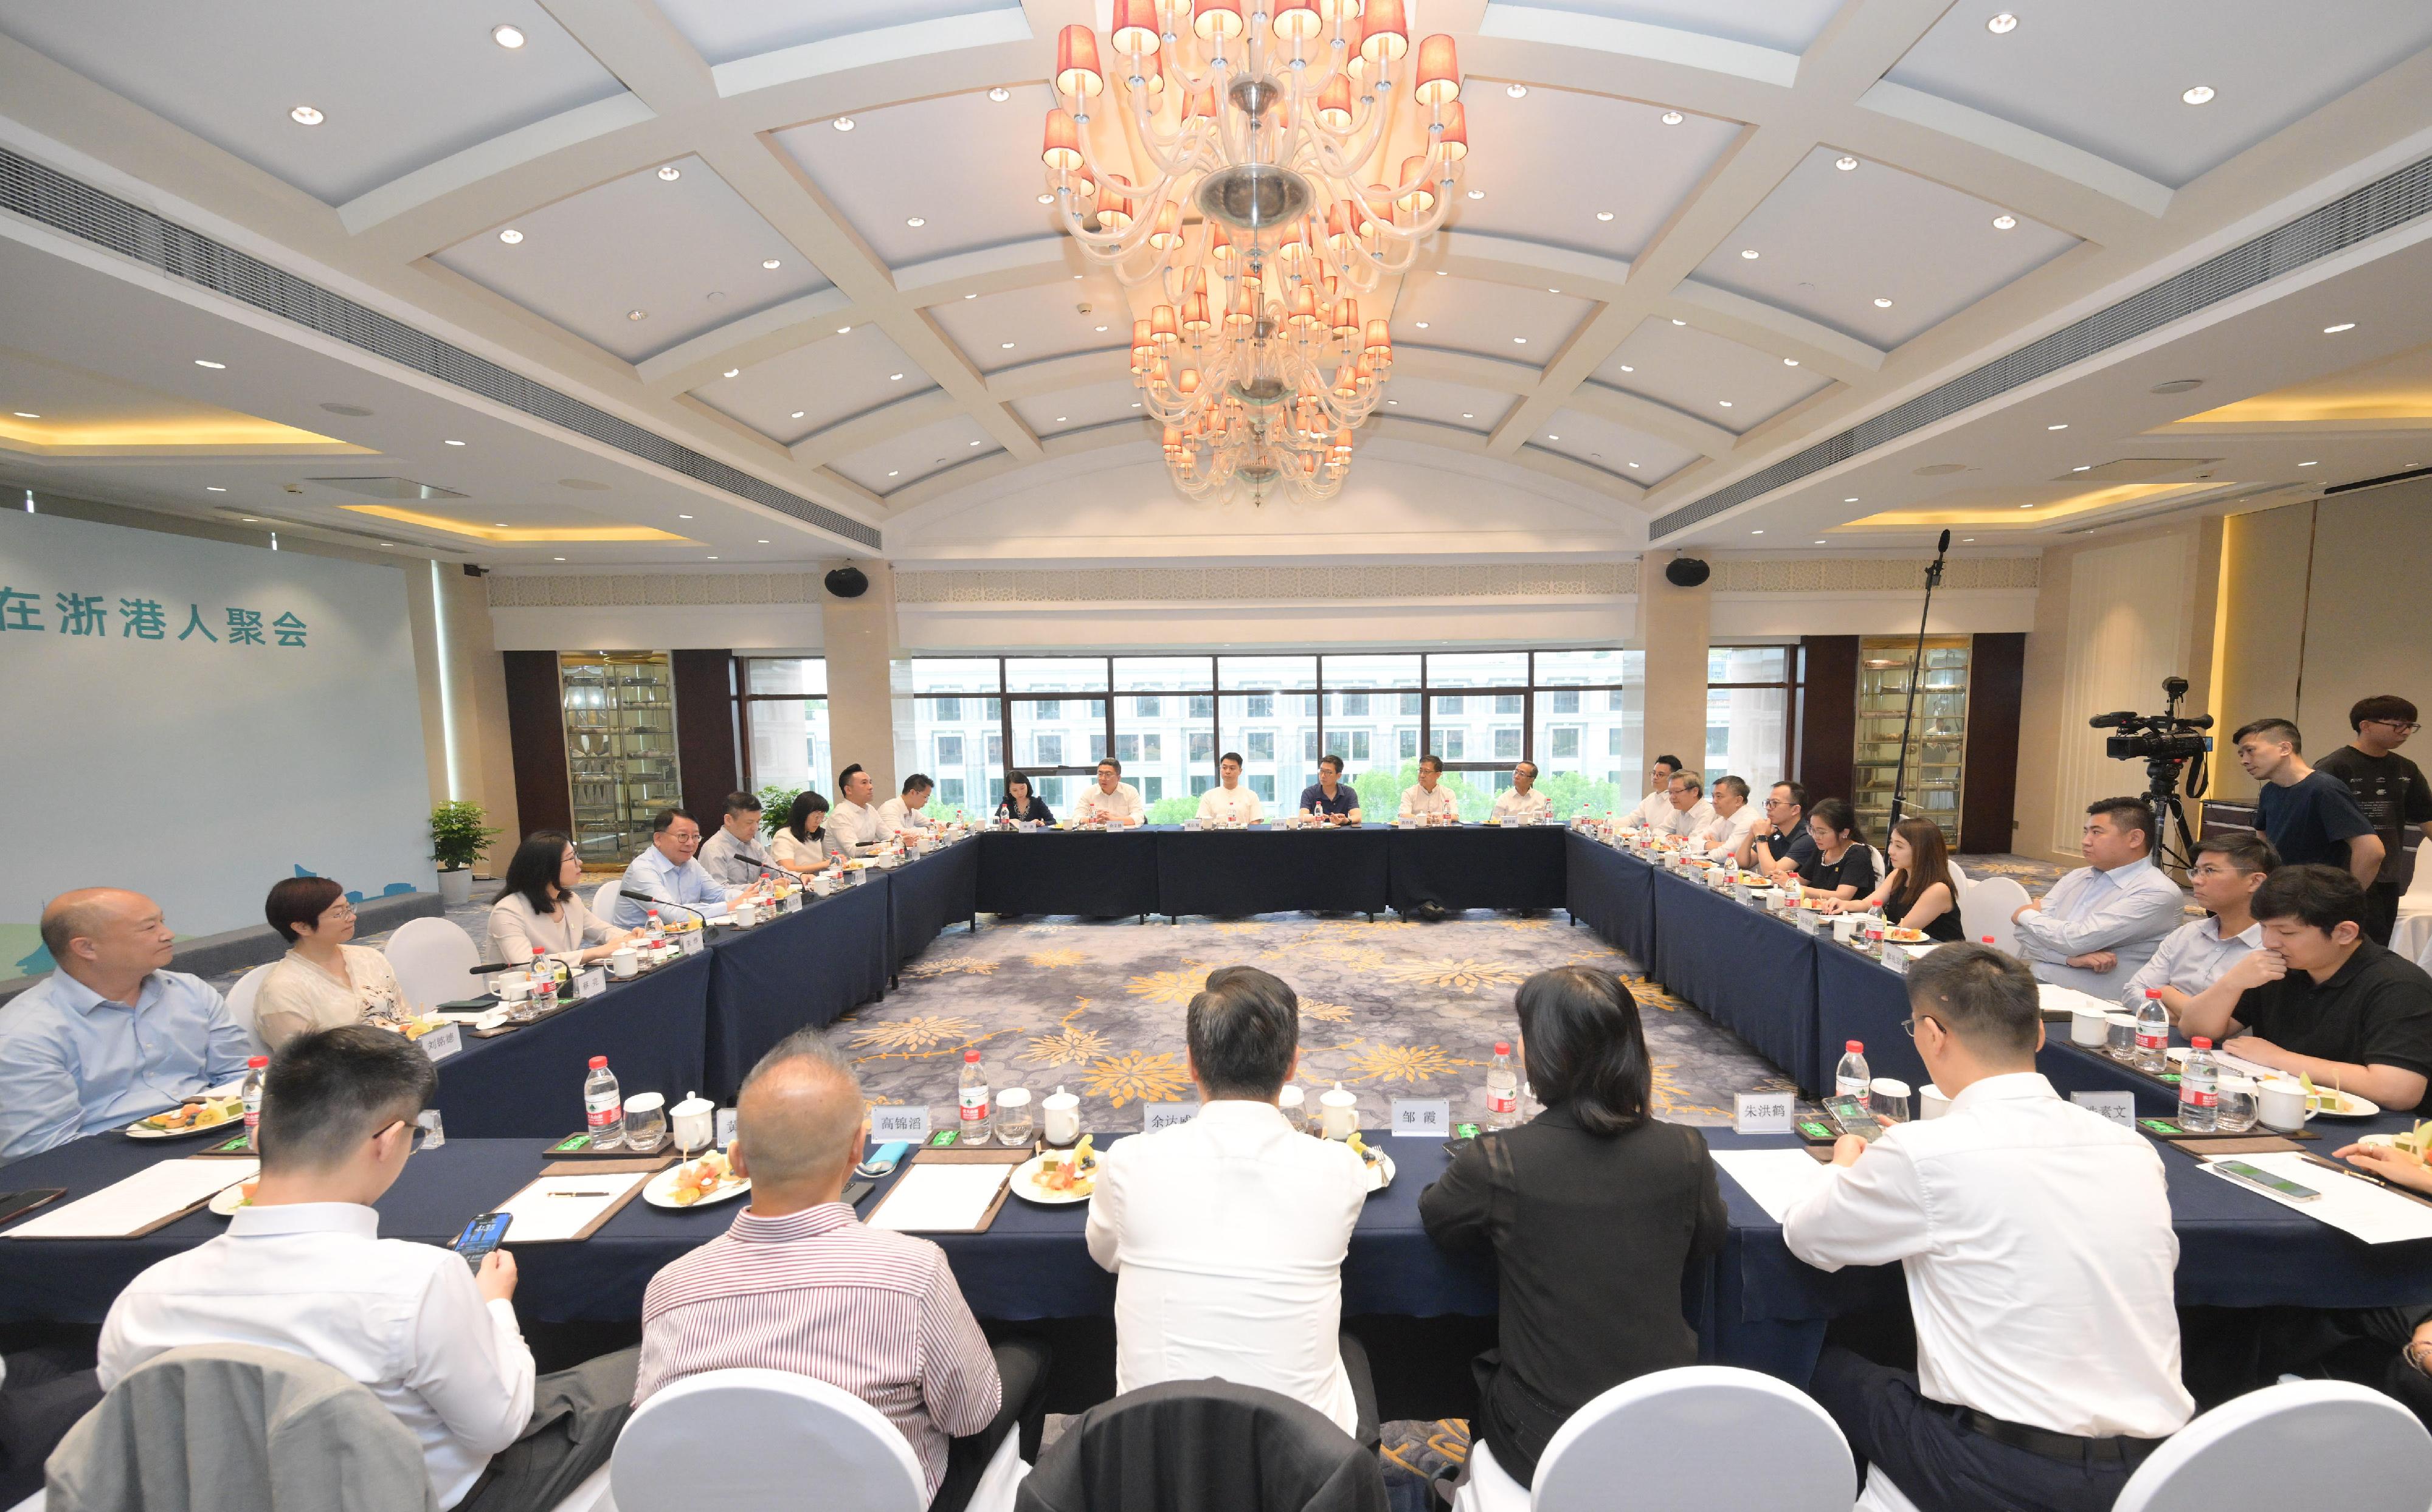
(665, 902)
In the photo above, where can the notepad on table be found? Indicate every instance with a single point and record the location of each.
(140, 1202)
(557, 1208)
(934, 1198)
(2348, 1202)
(1779, 1180)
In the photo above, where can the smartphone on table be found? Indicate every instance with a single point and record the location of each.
(1851, 1116)
(481, 1236)
(2256, 1176)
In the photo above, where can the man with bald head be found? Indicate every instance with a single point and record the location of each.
(111, 1036)
(798, 1284)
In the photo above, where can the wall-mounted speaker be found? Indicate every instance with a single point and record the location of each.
(849, 582)
(1686, 572)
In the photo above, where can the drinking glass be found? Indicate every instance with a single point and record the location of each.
(2119, 1037)
(434, 1133)
(1013, 1119)
(2235, 1107)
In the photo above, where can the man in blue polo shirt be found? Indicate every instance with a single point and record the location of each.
(1330, 801)
(2310, 817)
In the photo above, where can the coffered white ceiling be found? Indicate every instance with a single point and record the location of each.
(1628, 364)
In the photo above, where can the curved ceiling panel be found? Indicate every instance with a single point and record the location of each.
(799, 393)
(1611, 157)
(1082, 408)
(1497, 320)
(964, 165)
(1786, 26)
(903, 461)
(1021, 326)
(1622, 451)
(1713, 378)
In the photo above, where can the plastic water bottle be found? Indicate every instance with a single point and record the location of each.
(1851, 1079)
(251, 1092)
(654, 932)
(1502, 1089)
(2199, 1090)
(2152, 1032)
(973, 1100)
(603, 1106)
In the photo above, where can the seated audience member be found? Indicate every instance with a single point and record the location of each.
(1917, 892)
(1591, 1211)
(854, 824)
(1725, 836)
(1686, 811)
(2228, 868)
(736, 856)
(797, 1282)
(2407, 1376)
(1226, 1234)
(2392, 790)
(1428, 799)
(111, 1036)
(1841, 866)
(2036, 1239)
(1330, 800)
(1779, 843)
(668, 872)
(1111, 801)
(539, 909)
(2098, 926)
(800, 844)
(322, 981)
(1228, 802)
(2319, 997)
(2310, 817)
(1523, 802)
(906, 813)
(1656, 807)
(44, 1390)
(1020, 804)
(302, 1269)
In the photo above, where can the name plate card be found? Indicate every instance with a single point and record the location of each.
(691, 943)
(1764, 1112)
(1806, 919)
(1422, 1117)
(887, 1124)
(1156, 1116)
(441, 1043)
(793, 902)
(722, 1121)
(2119, 1107)
(1895, 957)
(590, 984)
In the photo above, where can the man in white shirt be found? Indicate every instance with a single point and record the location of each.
(1521, 803)
(1657, 804)
(1112, 802)
(1725, 834)
(302, 1269)
(2229, 866)
(1430, 801)
(904, 815)
(1226, 1234)
(735, 854)
(2098, 926)
(2037, 1241)
(854, 824)
(1229, 802)
(1685, 809)
(668, 872)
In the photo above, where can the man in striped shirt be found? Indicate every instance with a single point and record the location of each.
(798, 1284)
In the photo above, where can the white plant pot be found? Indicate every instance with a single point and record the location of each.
(456, 887)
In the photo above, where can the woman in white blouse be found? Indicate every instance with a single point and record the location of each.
(800, 844)
(322, 981)
(537, 908)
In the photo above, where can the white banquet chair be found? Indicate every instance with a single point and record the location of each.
(1699, 1435)
(1959, 883)
(240, 1004)
(1986, 910)
(784, 1433)
(603, 896)
(2412, 939)
(433, 960)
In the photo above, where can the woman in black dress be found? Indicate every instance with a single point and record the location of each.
(1919, 892)
(1592, 1211)
(1020, 804)
(1842, 864)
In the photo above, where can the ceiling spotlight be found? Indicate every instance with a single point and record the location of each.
(1518, 92)
(2005, 222)
(975, 442)
(2086, 467)
(214, 488)
(915, 222)
(796, 415)
(1060, 419)
(1047, 199)
(1553, 290)
(1750, 253)
(1466, 416)
(1422, 325)
(2309, 464)
(2063, 426)
(1627, 368)
(1000, 94)
(1882, 304)
(732, 370)
(1604, 215)
(1519, 341)
(1790, 361)
(894, 377)
(27, 414)
(1477, 193)
(205, 362)
(1671, 118)
(764, 540)
(1100, 329)
(510, 236)
(1848, 501)
(1633, 465)
(1756, 533)
(1005, 346)
(670, 174)
(1442, 274)
(557, 558)
(637, 315)
(970, 296)
(1819, 543)
(1552, 437)
(509, 37)
(844, 330)
(1396, 402)
(305, 115)
(683, 517)
(1725, 403)
(2201, 94)
(898, 470)
(842, 123)
(2002, 25)
(713, 559)
(2333, 331)
(2026, 506)
(1846, 164)
(453, 444)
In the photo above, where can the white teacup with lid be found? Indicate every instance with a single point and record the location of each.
(1341, 1112)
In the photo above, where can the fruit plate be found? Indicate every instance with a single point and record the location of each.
(1025, 1182)
(228, 1199)
(145, 1128)
(662, 1189)
(1381, 1170)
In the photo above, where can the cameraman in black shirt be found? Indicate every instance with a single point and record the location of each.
(2392, 790)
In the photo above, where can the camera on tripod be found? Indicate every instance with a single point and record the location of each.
(2166, 743)
(2153, 737)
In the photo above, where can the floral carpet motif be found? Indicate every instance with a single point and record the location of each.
(1389, 1009)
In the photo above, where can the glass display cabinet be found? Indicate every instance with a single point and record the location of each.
(620, 748)
(1937, 746)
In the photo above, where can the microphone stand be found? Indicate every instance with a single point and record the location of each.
(1915, 669)
(665, 902)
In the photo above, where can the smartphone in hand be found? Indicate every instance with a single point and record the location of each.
(481, 1236)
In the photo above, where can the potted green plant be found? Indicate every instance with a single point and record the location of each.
(458, 837)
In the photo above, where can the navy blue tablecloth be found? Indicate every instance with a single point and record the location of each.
(1752, 973)
(1230, 872)
(1477, 866)
(925, 895)
(1860, 999)
(528, 1083)
(794, 972)
(1097, 874)
(1613, 894)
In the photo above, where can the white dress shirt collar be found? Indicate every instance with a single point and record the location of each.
(351, 1218)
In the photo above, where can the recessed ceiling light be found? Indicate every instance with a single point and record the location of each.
(1060, 419)
(1477, 193)
(975, 442)
(1551, 437)
(844, 330)
(637, 315)
(1627, 368)
(2199, 94)
(2309, 464)
(2005, 222)
(510, 236)
(1790, 361)
(1047, 199)
(2333, 331)
(683, 517)
(898, 470)
(1005, 346)
(1848, 501)
(1518, 92)
(1750, 253)
(1846, 163)
(1393, 401)
(970, 296)
(1134, 404)
(1466, 416)
(27, 414)
(1604, 215)
(732, 370)
(916, 222)
(842, 123)
(1553, 290)
(205, 362)
(2087, 467)
(1519, 341)
(557, 558)
(1422, 325)
(713, 559)
(1099, 327)
(894, 377)
(1756, 533)
(773, 264)
(1968, 540)
(1725, 403)
(1633, 465)
(764, 540)
(2026, 506)
(1882, 304)
(214, 488)
(1819, 543)
(2002, 25)
(305, 115)
(1000, 94)
(2063, 426)
(454, 443)
(670, 174)
(796, 415)
(1442, 273)
(1671, 118)
(510, 38)
(501, 524)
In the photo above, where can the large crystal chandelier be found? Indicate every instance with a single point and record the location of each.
(1261, 208)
